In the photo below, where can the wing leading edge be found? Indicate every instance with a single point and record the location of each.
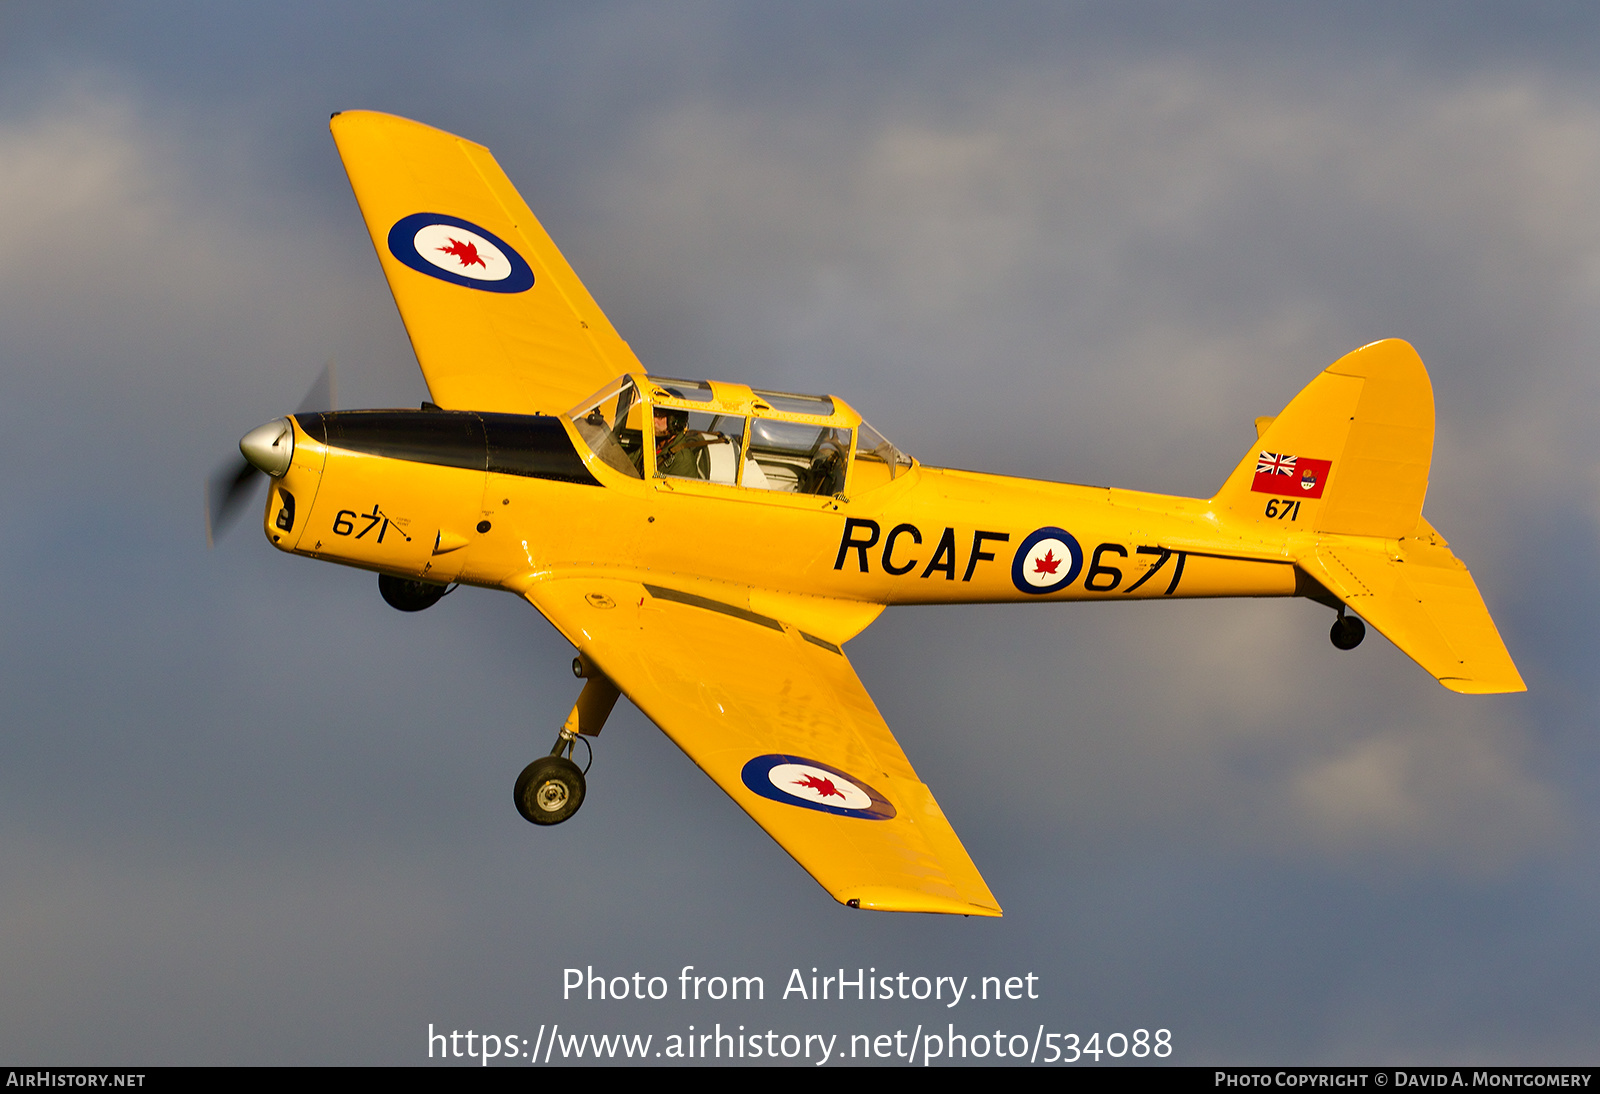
(497, 317)
(779, 720)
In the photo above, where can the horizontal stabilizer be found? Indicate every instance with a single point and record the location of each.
(1426, 603)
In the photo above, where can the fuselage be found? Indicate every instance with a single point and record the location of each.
(500, 500)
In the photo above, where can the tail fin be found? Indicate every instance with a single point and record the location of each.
(1345, 465)
(1352, 449)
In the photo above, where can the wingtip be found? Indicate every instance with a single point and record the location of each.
(893, 899)
(1485, 687)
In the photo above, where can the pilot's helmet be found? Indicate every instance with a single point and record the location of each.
(677, 420)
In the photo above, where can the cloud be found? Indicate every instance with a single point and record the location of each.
(106, 205)
(149, 276)
(1415, 792)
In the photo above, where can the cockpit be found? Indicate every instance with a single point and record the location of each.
(654, 426)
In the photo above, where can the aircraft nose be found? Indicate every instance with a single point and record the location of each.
(270, 447)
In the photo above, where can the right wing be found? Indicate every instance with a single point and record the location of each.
(498, 319)
(778, 719)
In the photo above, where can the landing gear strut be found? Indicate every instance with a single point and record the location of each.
(1348, 631)
(551, 788)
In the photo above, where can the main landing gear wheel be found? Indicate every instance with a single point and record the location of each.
(549, 790)
(1347, 632)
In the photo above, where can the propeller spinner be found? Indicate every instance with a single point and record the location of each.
(266, 449)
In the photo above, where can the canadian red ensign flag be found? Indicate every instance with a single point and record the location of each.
(1290, 476)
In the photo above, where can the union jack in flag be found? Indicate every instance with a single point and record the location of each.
(1290, 476)
(1270, 463)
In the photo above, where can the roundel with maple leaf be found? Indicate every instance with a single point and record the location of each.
(812, 784)
(460, 252)
(1047, 560)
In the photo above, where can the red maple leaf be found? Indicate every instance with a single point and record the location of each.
(1047, 564)
(824, 787)
(466, 252)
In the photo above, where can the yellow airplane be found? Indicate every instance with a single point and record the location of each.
(710, 547)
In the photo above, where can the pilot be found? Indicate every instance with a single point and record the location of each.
(826, 473)
(679, 451)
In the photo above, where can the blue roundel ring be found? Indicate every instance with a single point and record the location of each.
(402, 244)
(1033, 539)
(756, 777)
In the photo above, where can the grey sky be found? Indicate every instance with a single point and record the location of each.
(248, 813)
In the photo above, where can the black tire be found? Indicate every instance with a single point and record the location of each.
(549, 790)
(409, 596)
(1347, 632)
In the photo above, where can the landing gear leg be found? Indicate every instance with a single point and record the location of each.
(1348, 631)
(551, 788)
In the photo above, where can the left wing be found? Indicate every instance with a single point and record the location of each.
(499, 321)
(778, 719)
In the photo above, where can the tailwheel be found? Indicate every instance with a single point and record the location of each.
(1347, 632)
(549, 790)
